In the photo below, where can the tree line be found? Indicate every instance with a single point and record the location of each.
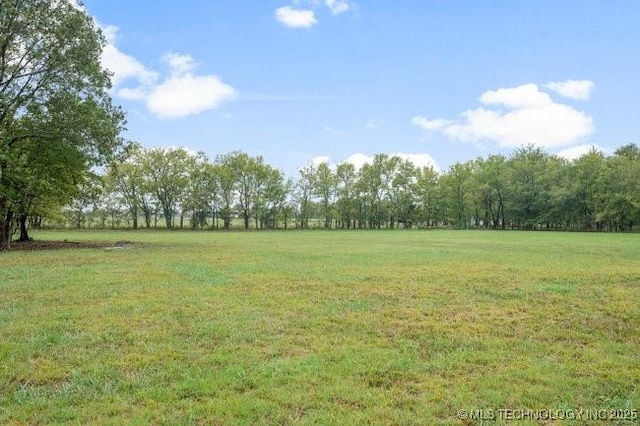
(530, 189)
(63, 162)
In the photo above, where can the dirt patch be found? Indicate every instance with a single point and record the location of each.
(62, 245)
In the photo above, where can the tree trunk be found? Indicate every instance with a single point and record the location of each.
(5, 228)
(134, 217)
(195, 221)
(246, 220)
(24, 234)
(78, 219)
(5, 212)
(168, 217)
(147, 216)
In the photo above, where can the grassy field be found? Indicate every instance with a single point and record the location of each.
(387, 327)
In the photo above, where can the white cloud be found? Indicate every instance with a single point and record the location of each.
(132, 94)
(554, 125)
(186, 94)
(358, 160)
(316, 161)
(296, 18)
(178, 63)
(531, 117)
(124, 67)
(180, 94)
(337, 6)
(419, 160)
(574, 89)
(576, 152)
(110, 32)
(425, 124)
(525, 96)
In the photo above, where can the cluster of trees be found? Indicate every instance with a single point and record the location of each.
(58, 126)
(175, 183)
(529, 189)
(56, 118)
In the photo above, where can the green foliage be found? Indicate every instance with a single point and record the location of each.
(527, 190)
(491, 190)
(620, 196)
(126, 181)
(346, 204)
(257, 186)
(168, 173)
(56, 119)
(324, 183)
(304, 194)
(456, 191)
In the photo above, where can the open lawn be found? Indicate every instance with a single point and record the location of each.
(338, 327)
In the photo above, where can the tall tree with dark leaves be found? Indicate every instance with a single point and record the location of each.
(54, 104)
(620, 199)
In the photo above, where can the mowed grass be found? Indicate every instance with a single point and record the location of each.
(353, 327)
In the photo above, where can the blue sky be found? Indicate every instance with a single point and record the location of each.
(444, 81)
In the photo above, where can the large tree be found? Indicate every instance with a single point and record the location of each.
(324, 184)
(620, 197)
(374, 183)
(491, 184)
(126, 180)
(403, 194)
(270, 196)
(346, 204)
(201, 194)
(251, 180)
(168, 172)
(532, 175)
(456, 188)
(576, 196)
(426, 191)
(225, 182)
(53, 103)
(304, 193)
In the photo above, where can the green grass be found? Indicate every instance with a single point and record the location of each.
(318, 327)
